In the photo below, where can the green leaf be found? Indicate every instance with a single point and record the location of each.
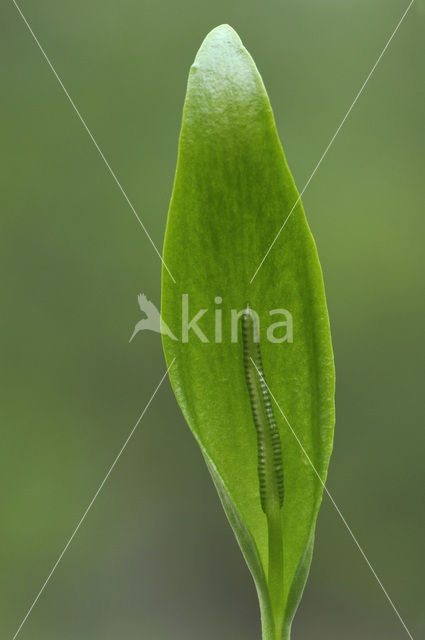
(232, 193)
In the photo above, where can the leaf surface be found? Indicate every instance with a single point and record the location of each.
(232, 192)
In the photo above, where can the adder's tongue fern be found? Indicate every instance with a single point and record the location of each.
(232, 192)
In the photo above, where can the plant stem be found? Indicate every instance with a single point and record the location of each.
(275, 569)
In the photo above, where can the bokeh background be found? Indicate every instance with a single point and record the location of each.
(155, 557)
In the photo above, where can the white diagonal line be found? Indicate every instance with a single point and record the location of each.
(333, 138)
(83, 122)
(334, 504)
(91, 503)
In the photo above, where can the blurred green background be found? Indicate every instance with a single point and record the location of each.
(155, 557)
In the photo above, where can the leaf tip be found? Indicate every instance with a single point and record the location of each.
(223, 31)
(221, 38)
